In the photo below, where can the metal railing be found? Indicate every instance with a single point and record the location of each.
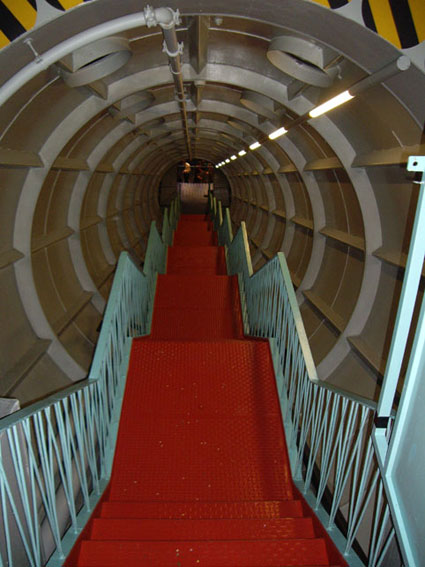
(328, 431)
(56, 455)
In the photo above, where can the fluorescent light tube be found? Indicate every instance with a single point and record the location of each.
(278, 133)
(233, 157)
(242, 153)
(330, 104)
(254, 146)
(227, 160)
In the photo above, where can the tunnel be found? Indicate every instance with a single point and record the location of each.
(99, 104)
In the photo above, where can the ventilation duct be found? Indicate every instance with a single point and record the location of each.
(95, 61)
(303, 60)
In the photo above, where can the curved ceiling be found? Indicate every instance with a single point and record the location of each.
(92, 128)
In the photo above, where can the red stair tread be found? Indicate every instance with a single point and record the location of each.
(189, 375)
(194, 324)
(197, 292)
(189, 458)
(194, 433)
(203, 510)
(196, 260)
(193, 234)
(295, 552)
(193, 218)
(174, 530)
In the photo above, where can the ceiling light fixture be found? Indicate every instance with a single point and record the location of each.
(278, 133)
(233, 157)
(402, 63)
(242, 153)
(254, 146)
(227, 160)
(330, 104)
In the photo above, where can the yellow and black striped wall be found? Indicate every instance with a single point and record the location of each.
(401, 22)
(19, 16)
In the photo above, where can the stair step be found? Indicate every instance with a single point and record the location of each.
(194, 218)
(203, 510)
(175, 530)
(228, 378)
(201, 291)
(195, 324)
(196, 434)
(196, 260)
(193, 234)
(264, 553)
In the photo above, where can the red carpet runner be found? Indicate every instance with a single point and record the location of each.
(201, 473)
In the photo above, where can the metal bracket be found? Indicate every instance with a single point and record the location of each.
(37, 56)
(176, 20)
(185, 99)
(150, 17)
(173, 54)
(174, 72)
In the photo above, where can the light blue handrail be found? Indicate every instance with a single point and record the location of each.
(56, 455)
(328, 431)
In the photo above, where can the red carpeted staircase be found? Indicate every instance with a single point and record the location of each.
(201, 473)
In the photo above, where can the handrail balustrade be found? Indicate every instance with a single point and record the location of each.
(328, 430)
(56, 455)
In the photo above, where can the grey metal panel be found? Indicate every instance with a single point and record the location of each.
(405, 471)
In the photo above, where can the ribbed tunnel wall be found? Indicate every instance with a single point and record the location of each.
(81, 167)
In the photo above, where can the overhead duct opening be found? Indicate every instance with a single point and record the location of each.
(95, 61)
(304, 60)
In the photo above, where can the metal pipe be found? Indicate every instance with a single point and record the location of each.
(174, 50)
(148, 17)
(402, 63)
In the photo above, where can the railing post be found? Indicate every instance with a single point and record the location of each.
(218, 221)
(229, 227)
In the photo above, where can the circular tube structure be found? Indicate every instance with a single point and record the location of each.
(88, 159)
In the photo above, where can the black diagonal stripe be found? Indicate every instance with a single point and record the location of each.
(56, 4)
(404, 23)
(10, 26)
(367, 16)
(33, 3)
(334, 4)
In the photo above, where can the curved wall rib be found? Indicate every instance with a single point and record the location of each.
(81, 177)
